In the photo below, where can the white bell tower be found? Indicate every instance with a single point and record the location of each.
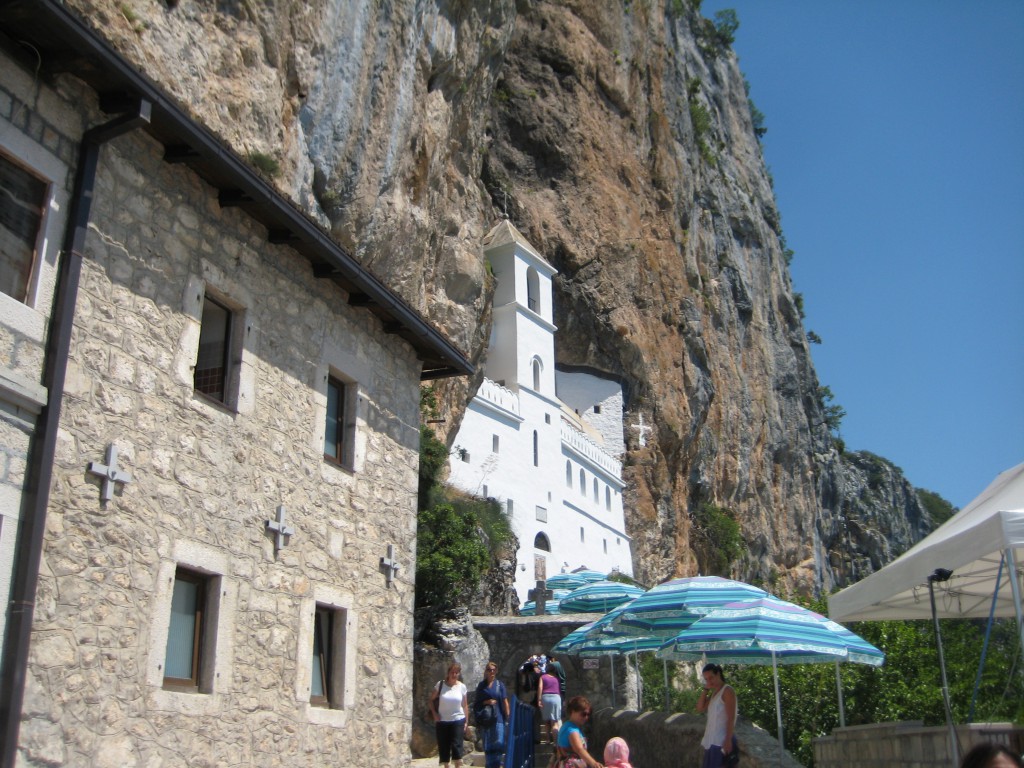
(521, 353)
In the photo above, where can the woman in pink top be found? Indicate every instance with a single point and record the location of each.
(549, 700)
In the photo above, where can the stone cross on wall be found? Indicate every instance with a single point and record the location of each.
(280, 529)
(540, 597)
(389, 566)
(110, 473)
(643, 430)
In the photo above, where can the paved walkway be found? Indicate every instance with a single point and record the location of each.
(474, 759)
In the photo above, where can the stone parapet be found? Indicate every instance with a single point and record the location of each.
(907, 744)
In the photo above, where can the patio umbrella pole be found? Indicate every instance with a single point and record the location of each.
(839, 689)
(778, 707)
(612, 659)
(665, 662)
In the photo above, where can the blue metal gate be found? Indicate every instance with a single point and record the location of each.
(519, 743)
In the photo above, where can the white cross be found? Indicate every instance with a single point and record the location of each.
(643, 430)
(389, 566)
(280, 529)
(109, 472)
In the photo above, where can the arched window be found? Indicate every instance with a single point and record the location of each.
(568, 474)
(540, 541)
(583, 482)
(536, 374)
(533, 290)
(607, 498)
(536, 450)
(595, 491)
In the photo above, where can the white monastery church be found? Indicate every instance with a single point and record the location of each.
(545, 442)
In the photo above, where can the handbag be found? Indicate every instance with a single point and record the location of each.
(562, 759)
(733, 758)
(486, 715)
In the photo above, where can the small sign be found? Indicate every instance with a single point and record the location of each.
(591, 663)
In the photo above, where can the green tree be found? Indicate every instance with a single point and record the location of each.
(834, 412)
(451, 556)
(938, 508)
(726, 24)
(715, 539)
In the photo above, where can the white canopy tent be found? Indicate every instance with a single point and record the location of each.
(983, 545)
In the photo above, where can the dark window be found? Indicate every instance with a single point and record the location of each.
(22, 202)
(541, 542)
(183, 659)
(213, 361)
(532, 290)
(338, 443)
(536, 450)
(329, 640)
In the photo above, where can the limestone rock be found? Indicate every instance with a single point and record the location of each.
(618, 138)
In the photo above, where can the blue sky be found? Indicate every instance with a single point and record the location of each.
(896, 142)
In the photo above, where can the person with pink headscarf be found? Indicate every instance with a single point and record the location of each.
(616, 753)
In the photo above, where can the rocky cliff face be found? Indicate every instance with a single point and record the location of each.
(618, 138)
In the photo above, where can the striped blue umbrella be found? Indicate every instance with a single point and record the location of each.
(565, 581)
(674, 605)
(567, 643)
(769, 625)
(551, 607)
(599, 597)
(769, 631)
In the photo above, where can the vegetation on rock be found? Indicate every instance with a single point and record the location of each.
(458, 534)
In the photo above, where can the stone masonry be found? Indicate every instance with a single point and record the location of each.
(204, 481)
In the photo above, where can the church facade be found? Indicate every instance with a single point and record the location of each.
(545, 442)
(211, 426)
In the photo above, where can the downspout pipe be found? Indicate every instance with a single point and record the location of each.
(39, 471)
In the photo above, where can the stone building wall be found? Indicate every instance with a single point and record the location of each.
(41, 140)
(204, 480)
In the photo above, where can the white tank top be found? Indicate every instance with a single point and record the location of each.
(714, 731)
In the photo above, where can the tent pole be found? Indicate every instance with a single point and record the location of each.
(1011, 561)
(943, 575)
(839, 688)
(984, 646)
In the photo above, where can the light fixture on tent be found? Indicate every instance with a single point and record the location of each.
(940, 575)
